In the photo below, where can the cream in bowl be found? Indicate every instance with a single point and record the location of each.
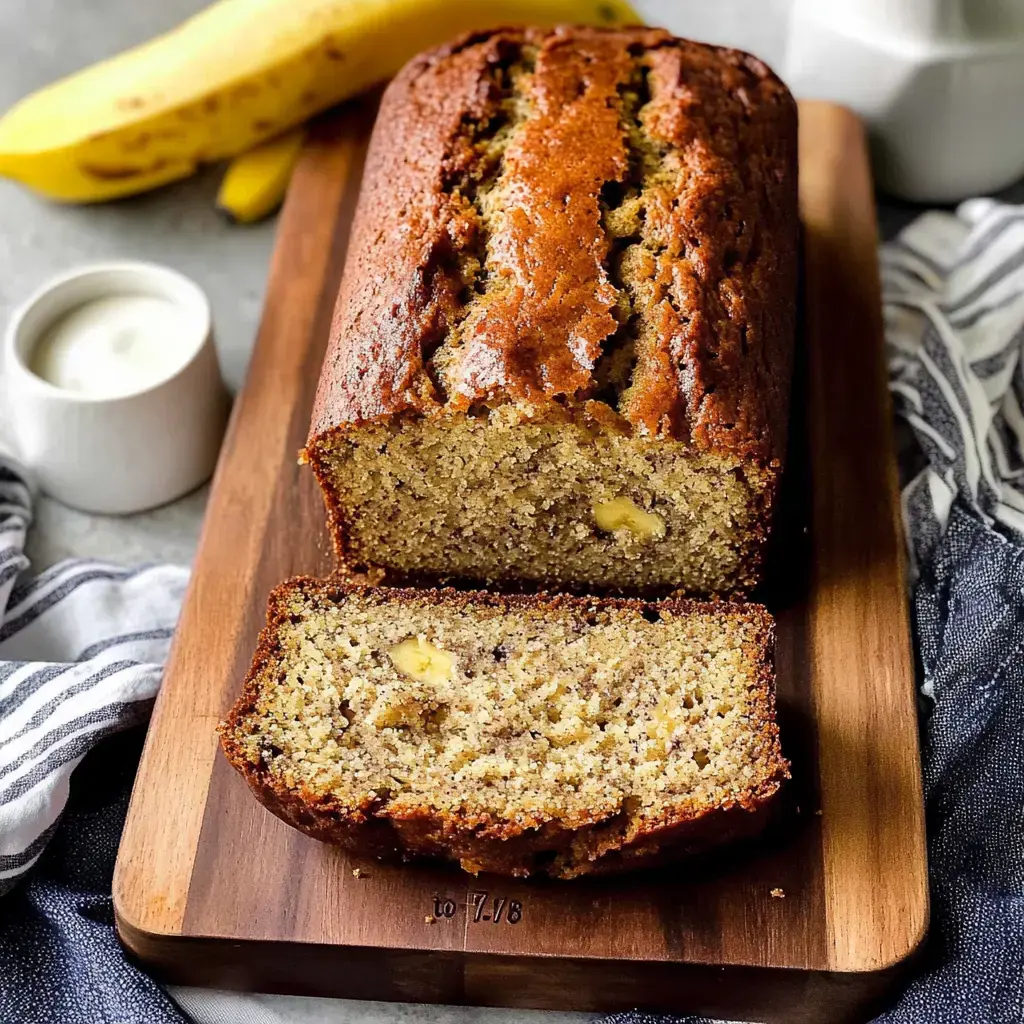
(113, 391)
(113, 346)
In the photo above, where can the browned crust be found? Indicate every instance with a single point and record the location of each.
(560, 848)
(723, 278)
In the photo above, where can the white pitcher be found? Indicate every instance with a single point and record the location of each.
(939, 82)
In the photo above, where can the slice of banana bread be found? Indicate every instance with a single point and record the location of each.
(519, 735)
(562, 346)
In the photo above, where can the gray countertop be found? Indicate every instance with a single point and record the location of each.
(40, 40)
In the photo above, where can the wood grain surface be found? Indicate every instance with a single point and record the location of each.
(212, 889)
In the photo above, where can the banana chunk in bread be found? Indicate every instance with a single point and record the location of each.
(519, 735)
(570, 290)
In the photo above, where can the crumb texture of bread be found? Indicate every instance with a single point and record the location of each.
(521, 735)
(578, 231)
(493, 497)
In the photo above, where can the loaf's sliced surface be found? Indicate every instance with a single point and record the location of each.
(513, 734)
(571, 281)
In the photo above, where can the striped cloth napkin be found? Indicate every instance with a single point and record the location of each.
(82, 647)
(953, 292)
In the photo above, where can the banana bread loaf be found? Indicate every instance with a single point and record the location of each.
(518, 735)
(562, 346)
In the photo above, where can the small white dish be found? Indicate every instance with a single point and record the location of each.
(129, 452)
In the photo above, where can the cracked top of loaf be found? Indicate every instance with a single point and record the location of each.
(575, 220)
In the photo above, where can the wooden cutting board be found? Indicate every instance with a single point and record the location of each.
(813, 924)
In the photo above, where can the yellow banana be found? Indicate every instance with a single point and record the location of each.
(236, 74)
(255, 182)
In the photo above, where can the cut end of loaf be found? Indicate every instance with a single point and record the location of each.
(501, 496)
(518, 735)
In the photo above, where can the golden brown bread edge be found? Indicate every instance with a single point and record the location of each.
(523, 847)
(721, 295)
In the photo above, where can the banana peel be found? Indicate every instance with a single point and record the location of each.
(255, 182)
(231, 77)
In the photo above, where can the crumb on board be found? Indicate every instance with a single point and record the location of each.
(358, 873)
(430, 919)
(779, 894)
(817, 813)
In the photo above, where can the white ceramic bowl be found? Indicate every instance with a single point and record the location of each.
(125, 453)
